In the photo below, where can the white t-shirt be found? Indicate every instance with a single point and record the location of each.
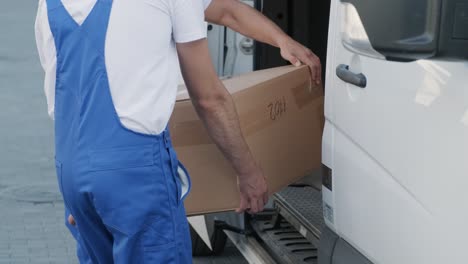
(141, 56)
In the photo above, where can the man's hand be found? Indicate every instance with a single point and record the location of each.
(249, 22)
(296, 53)
(253, 192)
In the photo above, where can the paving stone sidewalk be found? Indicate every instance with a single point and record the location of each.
(34, 233)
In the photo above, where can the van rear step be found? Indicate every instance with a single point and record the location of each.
(284, 243)
(302, 208)
(291, 233)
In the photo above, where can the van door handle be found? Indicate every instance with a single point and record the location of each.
(358, 79)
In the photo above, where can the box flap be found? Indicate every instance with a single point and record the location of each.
(240, 82)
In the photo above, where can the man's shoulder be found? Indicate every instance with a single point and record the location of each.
(41, 15)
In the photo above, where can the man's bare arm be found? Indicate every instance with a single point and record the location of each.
(216, 108)
(249, 22)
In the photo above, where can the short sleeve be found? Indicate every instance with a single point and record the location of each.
(47, 54)
(188, 18)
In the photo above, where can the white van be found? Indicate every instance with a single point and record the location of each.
(394, 187)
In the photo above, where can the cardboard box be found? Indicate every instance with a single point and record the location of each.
(281, 116)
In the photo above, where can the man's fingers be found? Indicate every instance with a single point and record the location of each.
(297, 55)
(294, 61)
(315, 66)
(305, 59)
(261, 204)
(313, 73)
(265, 198)
(243, 205)
(321, 70)
(317, 74)
(318, 69)
(310, 60)
(253, 206)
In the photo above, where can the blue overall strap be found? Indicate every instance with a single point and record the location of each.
(99, 18)
(53, 4)
(62, 24)
(60, 21)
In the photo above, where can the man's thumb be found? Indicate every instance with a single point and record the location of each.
(294, 61)
(291, 58)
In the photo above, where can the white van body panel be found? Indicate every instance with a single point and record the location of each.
(399, 154)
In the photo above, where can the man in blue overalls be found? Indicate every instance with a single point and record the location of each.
(111, 81)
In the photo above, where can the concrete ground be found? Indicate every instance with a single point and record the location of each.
(31, 209)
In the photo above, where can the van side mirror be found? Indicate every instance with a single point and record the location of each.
(408, 30)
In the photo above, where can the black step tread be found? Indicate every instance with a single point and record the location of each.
(285, 243)
(304, 204)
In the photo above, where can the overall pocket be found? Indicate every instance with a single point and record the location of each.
(59, 171)
(180, 176)
(185, 181)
